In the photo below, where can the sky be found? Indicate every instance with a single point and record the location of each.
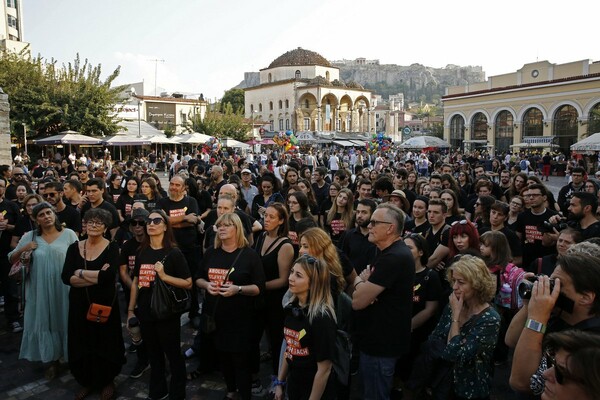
(207, 45)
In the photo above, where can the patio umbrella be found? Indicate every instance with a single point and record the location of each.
(590, 143)
(193, 138)
(422, 142)
(125, 140)
(253, 142)
(162, 140)
(228, 142)
(68, 137)
(267, 142)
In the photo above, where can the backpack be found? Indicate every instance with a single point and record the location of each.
(523, 165)
(513, 275)
(343, 342)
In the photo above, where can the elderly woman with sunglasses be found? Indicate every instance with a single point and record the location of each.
(231, 273)
(310, 329)
(45, 333)
(90, 269)
(159, 256)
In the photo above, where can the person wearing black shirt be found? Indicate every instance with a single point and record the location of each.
(566, 192)
(438, 235)
(159, 256)
(498, 217)
(533, 242)
(94, 198)
(320, 187)
(68, 216)
(582, 214)
(355, 243)
(383, 302)
(419, 223)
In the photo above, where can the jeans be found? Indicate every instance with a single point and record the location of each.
(377, 376)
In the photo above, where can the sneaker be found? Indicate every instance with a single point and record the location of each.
(139, 370)
(257, 388)
(16, 327)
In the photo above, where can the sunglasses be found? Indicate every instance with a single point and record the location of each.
(82, 172)
(134, 222)
(51, 194)
(155, 221)
(464, 221)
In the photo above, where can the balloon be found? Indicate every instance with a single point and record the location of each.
(288, 147)
(289, 133)
(293, 139)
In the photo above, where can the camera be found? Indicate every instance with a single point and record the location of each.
(526, 286)
(548, 227)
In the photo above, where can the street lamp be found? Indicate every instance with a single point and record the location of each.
(139, 118)
(25, 137)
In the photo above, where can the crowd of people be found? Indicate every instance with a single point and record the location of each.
(438, 268)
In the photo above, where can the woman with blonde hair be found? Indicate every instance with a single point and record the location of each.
(310, 329)
(232, 275)
(468, 329)
(340, 216)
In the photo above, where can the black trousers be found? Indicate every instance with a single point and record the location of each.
(8, 289)
(236, 371)
(193, 257)
(162, 338)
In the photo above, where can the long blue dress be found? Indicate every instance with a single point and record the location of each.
(46, 299)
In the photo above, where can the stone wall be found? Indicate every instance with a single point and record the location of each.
(5, 154)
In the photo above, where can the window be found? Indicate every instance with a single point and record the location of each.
(183, 118)
(298, 74)
(479, 127)
(270, 78)
(594, 120)
(271, 105)
(503, 134)
(280, 104)
(11, 3)
(306, 103)
(457, 131)
(260, 107)
(307, 124)
(12, 22)
(565, 127)
(272, 125)
(251, 107)
(287, 104)
(327, 75)
(533, 123)
(287, 124)
(281, 124)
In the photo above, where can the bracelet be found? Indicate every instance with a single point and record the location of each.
(130, 310)
(358, 283)
(456, 320)
(277, 382)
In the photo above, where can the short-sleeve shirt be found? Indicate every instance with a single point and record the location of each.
(186, 237)
(70, 218)
(531, 241)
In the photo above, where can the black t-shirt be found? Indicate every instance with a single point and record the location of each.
(441, 237)
(114, 193)
(591, 231)
(321, 193)
(306, 344)
(9, 211)
(234, 316)
(128, 254)
(513, 240)
(105, 205)
(358, 249)
(186, 237)
(125, 204)
(427, 288)
(70, 218)
(383, 328)
(410, 227)
(175, 265)
(531, 242)
(24, 224)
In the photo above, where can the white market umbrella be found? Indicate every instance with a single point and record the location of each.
(590, 143)
(192, 138)
(228, 142)
(68, 137)
(422, 142)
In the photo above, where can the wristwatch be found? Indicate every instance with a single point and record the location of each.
(535, 326)
(239, 290)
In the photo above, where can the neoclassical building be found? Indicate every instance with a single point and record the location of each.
(542, 103)
(302, 91)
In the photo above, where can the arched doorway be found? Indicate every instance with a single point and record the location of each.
(457, 131)
(565, 127)
(503, 134)
(533, 123)
(329, 112)
(594, 120)
(479, 127)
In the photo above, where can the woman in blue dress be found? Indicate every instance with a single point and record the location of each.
(47, 299)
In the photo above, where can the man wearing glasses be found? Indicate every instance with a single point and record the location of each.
(533, 242)
(68, 216)
(84, 175)
(18, 176)
(382, 299)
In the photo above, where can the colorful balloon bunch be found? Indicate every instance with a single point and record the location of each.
(286, 139)
(378, 143)
(213, 144)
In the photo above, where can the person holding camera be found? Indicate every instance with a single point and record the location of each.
(535, 242)
(565, 301)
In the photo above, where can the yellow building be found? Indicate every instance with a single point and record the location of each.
(542, 104)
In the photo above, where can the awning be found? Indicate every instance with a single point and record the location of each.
(590, 143)
(534, 145)
(538, 139)
(124, 140)
(359, 143)
(344, 143)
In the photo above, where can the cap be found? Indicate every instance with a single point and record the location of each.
(398, 193)
(246, 171)
(139, 213)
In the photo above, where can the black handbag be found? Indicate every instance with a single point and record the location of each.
(168, 301)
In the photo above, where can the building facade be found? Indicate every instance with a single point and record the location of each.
(541, 104)
(302, 91)
(11, 27)
(163, 112)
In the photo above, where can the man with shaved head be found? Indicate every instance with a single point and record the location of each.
(183, 216)
(18, 176)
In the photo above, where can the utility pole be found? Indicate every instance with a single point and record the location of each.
(156, 61)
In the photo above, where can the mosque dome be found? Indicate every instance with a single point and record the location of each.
(299, 57)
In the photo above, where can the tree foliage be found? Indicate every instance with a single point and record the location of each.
(235, 97)
(220, 124)
(49, 98)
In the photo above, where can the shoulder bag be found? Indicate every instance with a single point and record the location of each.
(168, 301)
(19, 271)
(97, 313)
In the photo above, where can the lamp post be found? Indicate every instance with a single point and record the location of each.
(25, 137)
(139, 118)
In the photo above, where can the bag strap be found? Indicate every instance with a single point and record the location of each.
(87, 293)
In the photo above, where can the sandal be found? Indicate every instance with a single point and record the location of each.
(193, 375)
(83, 393)
(108, 392)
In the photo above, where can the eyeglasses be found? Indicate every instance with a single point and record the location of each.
(374, 222)
(134, 222)
(155, 221)
(462, 222)
(561, 373)
(49, 194)
(82, 172)
(516, 203)
(18, 174)
(94, 223)
(532, 195)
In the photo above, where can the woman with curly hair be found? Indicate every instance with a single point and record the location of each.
(340, 216)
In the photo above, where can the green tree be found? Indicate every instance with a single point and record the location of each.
(50, 99)
(220, 124)
(235, 97)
